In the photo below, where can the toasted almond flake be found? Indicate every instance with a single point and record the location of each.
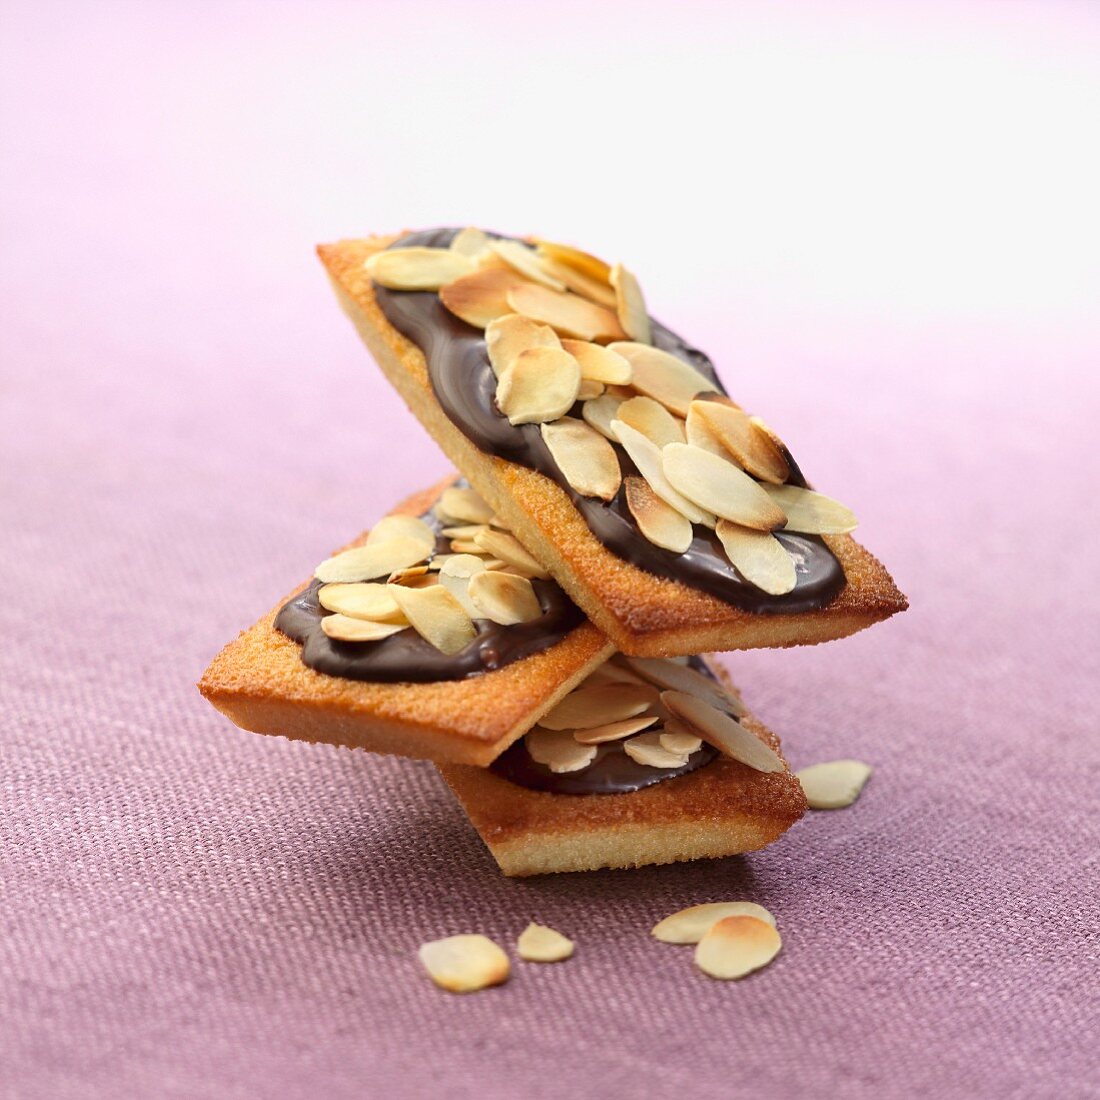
(436, 616)
(664, 377)
(540, 944)
(464, 964)
(464, 505)
(579, 282)
(692, 924)
(466, 532)
(465, 546)
(417, 268)
(470, 242)
(736, 946)
(589, 390)
(811, 513)
(759, 557)
(558, 750)
(598, 363)
(589, 707)
(699, 433)
(344, 628)
(567, 314)
(455, 577)
(720, 730)
(717, 485)
(590, 265)
(540, 384)
(646, 455)
(647, 749)
(415, 576)
(507, 336)
(527, 262)
(500, 544)
(615, 731)
(610, 672)
(751, 448)
(833, 785)
(630, 305)
(667, 672)
(680, 741)
(406, 527)
(599, 413)
(653, 420)
(481, 297)
(504, 598)
(586, 460)
(496, 563)
(361, 601)
(366, 563)
(658, 521)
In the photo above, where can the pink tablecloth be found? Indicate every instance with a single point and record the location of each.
(187, 424)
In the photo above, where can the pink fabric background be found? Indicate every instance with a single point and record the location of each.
(883, 226)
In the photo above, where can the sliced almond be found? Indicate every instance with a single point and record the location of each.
(567, 314)
(504, 598)
(527, 262)
(465, 546)
(586, 460)
(579, 282)
(720, 730)
(361, 601)
(833, 785)
(598, 363)
(465, 532)
(600, 412)
(615, 731)
(752, 449)
(589, 390)
(630, 305)
(343, 628)
(699, 433)
(663, 376)
(481, 297)
(416, 576)
(366, 563)
(464, 505)
(718, 486)
(464, 964)
(653, 420)
(406, 527)
(592, 266)
(537, 943)
(540, 384)
(759, 557)
(500, 544)
(558, 750)
(436, 616)
(658, 521)
(666, 672)
(680, 741)
(646, 455)
(811, 513)
(589, 707)
(647, 749)
(455, 577)
(507, 336)
(417, 268)
(470, 242)
(610, 672)
(736, 946)
(692, 924)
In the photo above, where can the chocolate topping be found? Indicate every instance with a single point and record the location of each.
(465, 387)
(406, 657)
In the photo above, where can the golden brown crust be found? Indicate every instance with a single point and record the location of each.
(260, 682)
(642, 614)
(720, 810)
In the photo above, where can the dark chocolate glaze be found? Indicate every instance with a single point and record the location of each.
(612, 771)
(405, 657)
(465, 387)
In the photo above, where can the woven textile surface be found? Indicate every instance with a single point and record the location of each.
(187, 425)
